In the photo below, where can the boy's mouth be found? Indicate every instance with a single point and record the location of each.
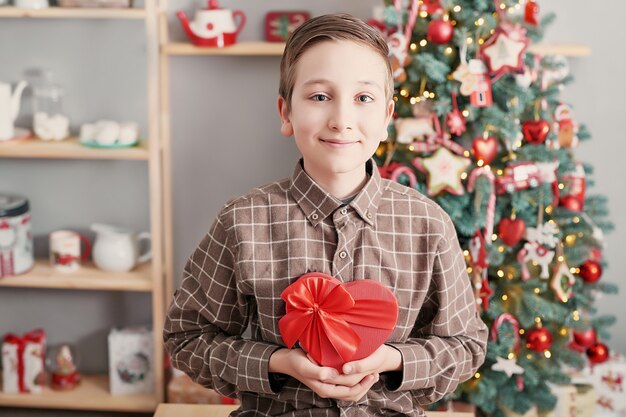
(338, 142)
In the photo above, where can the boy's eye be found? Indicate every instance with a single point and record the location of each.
(363, 98)
(319, 97)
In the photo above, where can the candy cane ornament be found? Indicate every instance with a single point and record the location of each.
(508, 366)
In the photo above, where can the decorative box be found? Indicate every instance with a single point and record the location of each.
(182, 390)
(573, 401)
(16, 240)
(95, 3)
(337, 322)
(608, 380)
(130, 361)
(23, 362)
(279, 25)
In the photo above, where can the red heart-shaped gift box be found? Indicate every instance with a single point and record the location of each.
(337, 322)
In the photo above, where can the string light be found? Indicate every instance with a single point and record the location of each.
(480, 163)
(426, 94)
(576, 220)
(457, 8)
(563, 331)
(424, 13)
(537, 290)
(481, 41)
(560, 258)
(412, 100)
(448, 50)
(570, 240)
(423, 42)
(477, 375)
(576, 315)
(469, 269)
(501, 249)
(561, 186)
(549, 210)
(413, 47)
(464, 175)
(529, 356)
(494, 237)
(500, 172)
(465, 113)
(521, 332)
(469, 41)
(500, 273)
(573, 270)
(466, 153)
(395, 98)
(404, 93)
(505, 297)
(547, 354)
(480, 22)
(411, 148)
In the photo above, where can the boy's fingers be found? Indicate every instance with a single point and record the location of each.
(312, 360)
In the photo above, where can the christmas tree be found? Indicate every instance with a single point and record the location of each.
(481, 128)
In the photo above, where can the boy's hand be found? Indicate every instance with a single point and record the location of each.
(320, 379)
(384, 359)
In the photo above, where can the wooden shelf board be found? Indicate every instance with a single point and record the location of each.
(276, 49)
(570, 50)
(91, 394)
(74, 13)
(88, 277)
(68, 149)
(241, 49)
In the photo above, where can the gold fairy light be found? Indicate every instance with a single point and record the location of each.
(413, 47)
(404, 93)
(480, 21)
(537, 290)
(521, 332)
(424, 14)
(500, 273)
(505, 297)
(547, 354)
(480, 163)
(464, 175)
(465, 113)
(494, 237)
(549, 209)
(501, 249)
(456, 8)
(423, 43)
(576, 219)
(466, 153)
(448, 50)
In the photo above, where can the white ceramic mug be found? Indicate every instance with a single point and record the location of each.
(65, 250)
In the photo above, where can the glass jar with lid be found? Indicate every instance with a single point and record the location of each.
(49, 120)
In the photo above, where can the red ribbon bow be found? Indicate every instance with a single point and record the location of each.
(320, 312)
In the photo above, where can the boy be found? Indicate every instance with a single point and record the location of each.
(337, 216)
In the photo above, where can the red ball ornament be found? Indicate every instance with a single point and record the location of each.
(439, 31)
(511, 231)
(538, 339)
(535, 131)
(598, 353)
(585, 338)
(590, 272)
(485, 149)
(571, 203)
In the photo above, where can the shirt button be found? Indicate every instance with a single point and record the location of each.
(369, 215)
(343, 254)
(344, 211)
(314, 216)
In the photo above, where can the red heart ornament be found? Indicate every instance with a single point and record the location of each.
(511, 231)
(535, 131)
(485, 149)
(334, 322)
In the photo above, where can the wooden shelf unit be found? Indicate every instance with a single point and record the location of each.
(93, 391)
(69, 149)
(74, 13)
(91, 394)
(259, 48)
(88, 277)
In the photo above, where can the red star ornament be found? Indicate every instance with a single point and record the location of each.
(444, 170)
(504, 51)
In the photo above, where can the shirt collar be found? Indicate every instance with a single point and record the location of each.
(317, 204)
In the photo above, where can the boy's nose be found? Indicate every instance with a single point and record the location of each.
(341, 118)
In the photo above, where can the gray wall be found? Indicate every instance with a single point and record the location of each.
(226, 141)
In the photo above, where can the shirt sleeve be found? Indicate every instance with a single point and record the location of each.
(205, 322)
(449, 339)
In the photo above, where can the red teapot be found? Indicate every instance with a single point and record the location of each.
(213, 26)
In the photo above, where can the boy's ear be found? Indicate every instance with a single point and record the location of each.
(391, 105)
(285, 123)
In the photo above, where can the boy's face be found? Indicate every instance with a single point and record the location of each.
(339, 112)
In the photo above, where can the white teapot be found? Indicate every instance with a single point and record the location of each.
(9, 108)
(117, 250)
(213, 26)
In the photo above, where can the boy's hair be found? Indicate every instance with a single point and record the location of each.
(340, 26)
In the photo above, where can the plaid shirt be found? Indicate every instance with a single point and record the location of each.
(264, 241)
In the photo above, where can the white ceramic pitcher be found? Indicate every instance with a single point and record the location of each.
(9, 108)
(117, 250)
